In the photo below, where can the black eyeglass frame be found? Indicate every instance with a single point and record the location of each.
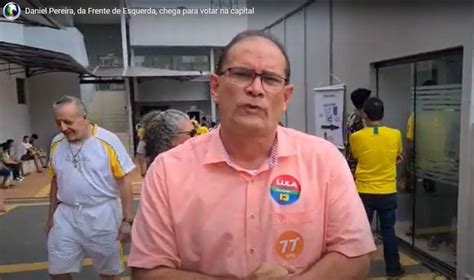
(192, 132)
(255, 75)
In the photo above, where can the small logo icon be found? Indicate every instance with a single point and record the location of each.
(11, 11)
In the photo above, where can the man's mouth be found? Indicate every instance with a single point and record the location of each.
(252, 107)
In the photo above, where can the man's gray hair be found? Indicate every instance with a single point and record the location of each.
(66, 99)
(161, 130)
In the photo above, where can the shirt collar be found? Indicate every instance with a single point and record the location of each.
(282, 147)
(95, 127)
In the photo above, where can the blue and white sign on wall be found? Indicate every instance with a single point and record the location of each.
(329, 113)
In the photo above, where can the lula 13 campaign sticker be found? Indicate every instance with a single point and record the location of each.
(285, 189)
(289, 245)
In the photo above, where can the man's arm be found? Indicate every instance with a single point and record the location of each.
(53, 203)
(9, 160)
(352, 268)
(126, 195)
(154, 253)
(141, 164)
(348, 235)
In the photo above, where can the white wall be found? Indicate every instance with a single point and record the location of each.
(187, 30)
(69, 41)
(190, 30)
(370, 31)
(266, 11)
(306, 38)
(14, 117)
(11, 32)
(43, 91)
(295, 41)
(163, 90)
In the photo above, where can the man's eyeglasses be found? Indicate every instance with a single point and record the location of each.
(244, 77)
(191, 133)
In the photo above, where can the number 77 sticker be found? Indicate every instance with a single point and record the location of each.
(289, 245)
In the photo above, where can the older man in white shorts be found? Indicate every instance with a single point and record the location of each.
(90, 168)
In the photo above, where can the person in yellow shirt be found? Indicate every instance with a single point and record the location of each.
(377, 149)
(200, 129)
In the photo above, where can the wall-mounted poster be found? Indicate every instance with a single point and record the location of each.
(329, 113)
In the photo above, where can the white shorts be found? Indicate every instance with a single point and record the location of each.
(80, 232)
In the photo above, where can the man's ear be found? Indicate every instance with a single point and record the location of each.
(214, 85)
(287, 94)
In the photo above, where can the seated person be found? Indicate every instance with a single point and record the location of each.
(25, 152)
(10, 163)
(42, 155)
(5, 174)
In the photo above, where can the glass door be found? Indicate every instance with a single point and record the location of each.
(437, 96)
(394, 88)
(422, 99)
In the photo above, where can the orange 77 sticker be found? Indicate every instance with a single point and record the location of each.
(289, 245)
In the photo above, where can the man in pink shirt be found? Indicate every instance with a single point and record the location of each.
(251, 199)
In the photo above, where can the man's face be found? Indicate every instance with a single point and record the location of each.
(71, 122)
(253, 107)
(26, 140)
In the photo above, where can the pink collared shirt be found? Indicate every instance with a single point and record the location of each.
(201, 213)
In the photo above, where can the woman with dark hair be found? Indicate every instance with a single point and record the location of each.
(355, 122)
(166, 130)
(9, 162)
(141, 147)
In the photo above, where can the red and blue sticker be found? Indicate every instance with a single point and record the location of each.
(285, 189)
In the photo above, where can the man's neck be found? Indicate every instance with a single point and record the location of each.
(88, 133)
(248, 152)
(373, 123)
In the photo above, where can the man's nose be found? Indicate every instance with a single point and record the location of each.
(62, 126)
(256, 87)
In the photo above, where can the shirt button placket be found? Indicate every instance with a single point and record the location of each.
(252, 225)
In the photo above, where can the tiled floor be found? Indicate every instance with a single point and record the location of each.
(414, 268)
(36, 185)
